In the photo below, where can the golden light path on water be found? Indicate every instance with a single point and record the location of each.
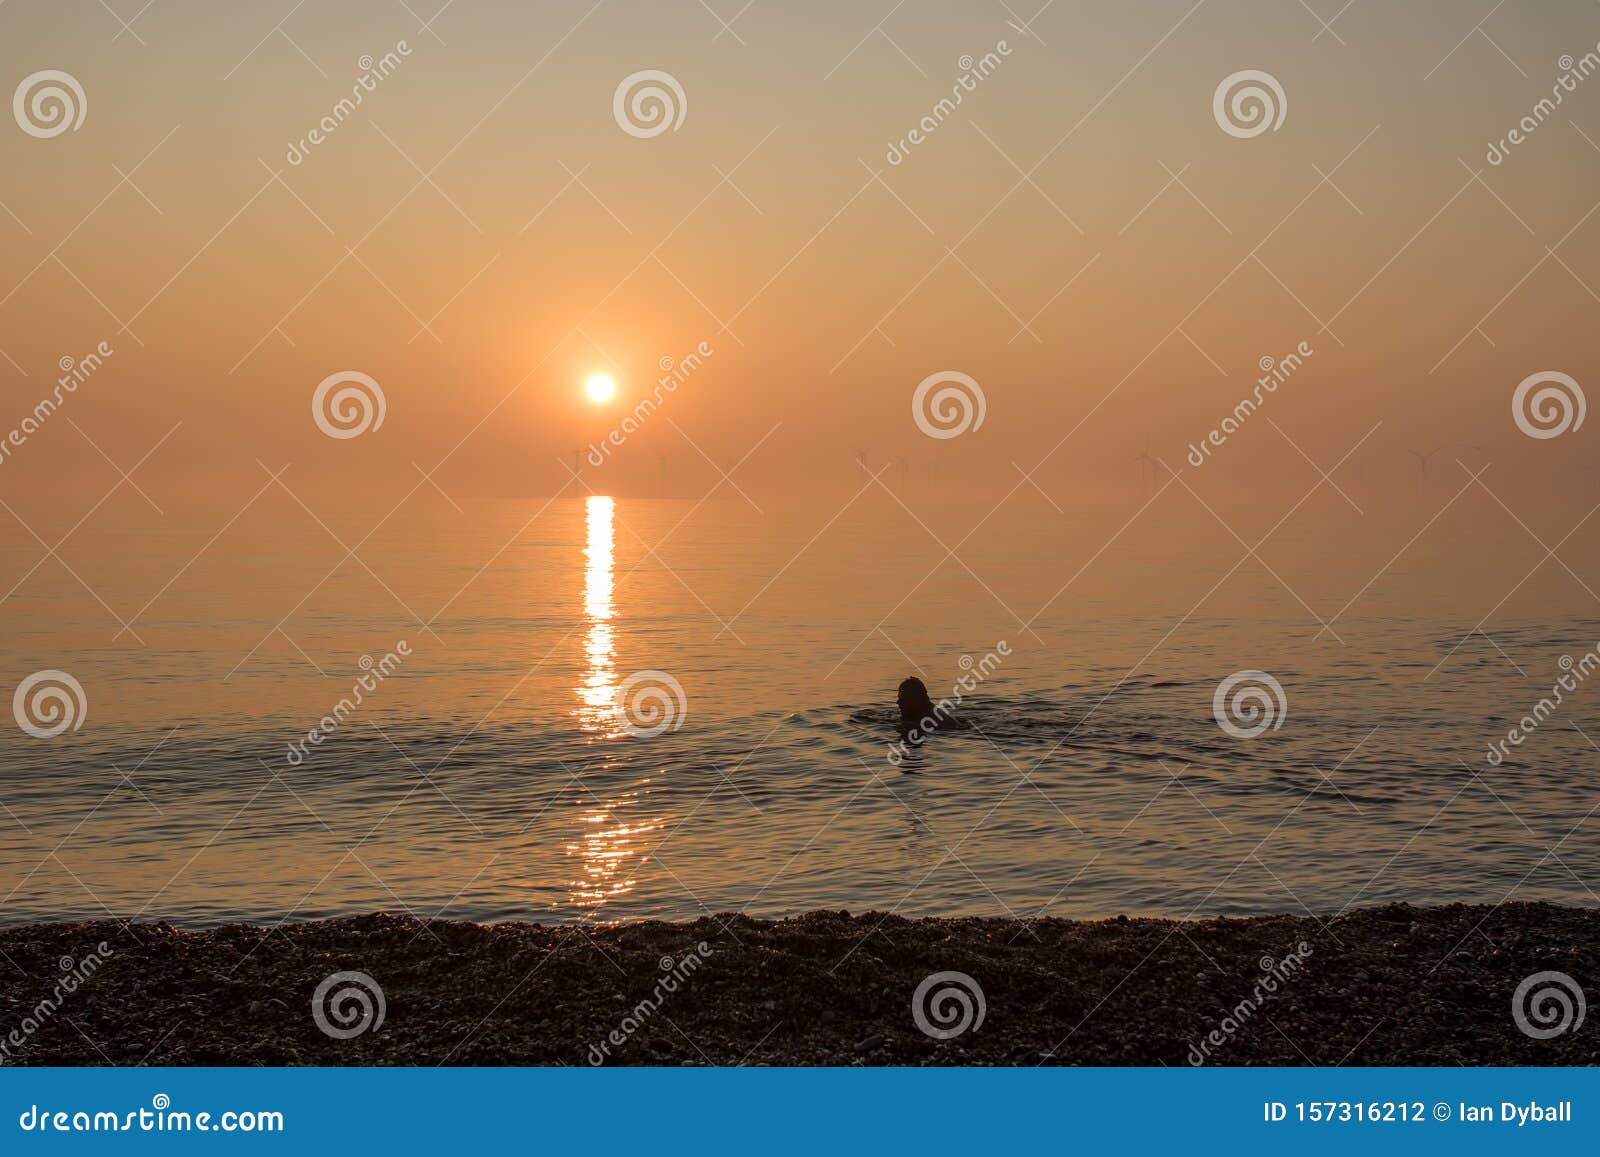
(599, 687)
(608, 846)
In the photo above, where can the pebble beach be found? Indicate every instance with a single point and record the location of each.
(1391, 985)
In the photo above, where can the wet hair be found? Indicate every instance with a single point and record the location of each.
(915, 702)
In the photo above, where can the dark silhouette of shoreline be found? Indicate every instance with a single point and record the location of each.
(1386, 985)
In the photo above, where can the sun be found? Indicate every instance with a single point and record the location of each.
(600, 388)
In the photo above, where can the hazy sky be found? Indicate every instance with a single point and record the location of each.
(1079, 235)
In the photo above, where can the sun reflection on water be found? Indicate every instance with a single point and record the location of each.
(610, 848)
(598, 687)
(610, 844)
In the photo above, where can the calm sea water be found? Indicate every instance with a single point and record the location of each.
(487, 774)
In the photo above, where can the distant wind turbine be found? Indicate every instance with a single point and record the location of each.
(899, 461)
(1150, 469)
(1422, 470)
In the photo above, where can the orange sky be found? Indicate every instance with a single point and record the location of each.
(1079, 235)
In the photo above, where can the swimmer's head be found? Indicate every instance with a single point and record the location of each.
(915, 703)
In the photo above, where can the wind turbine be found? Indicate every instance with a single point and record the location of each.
(1149, 469)
(1422, 476)
(899, 461)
